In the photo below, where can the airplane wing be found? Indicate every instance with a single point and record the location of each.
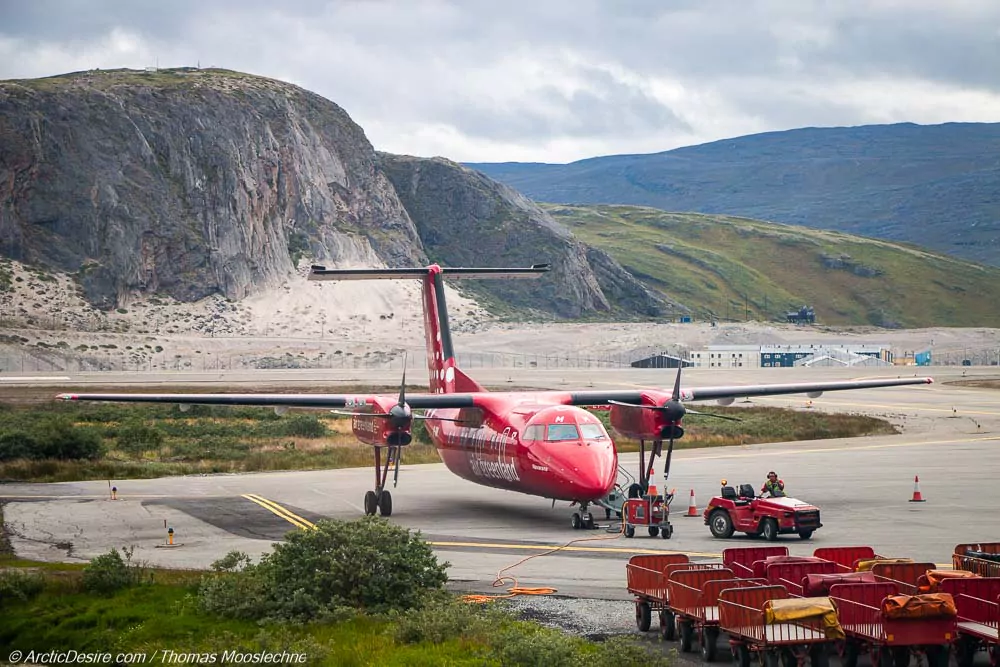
(814, 389)
(472, 399)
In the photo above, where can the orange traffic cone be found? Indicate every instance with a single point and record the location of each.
(692, 506)
(917, 498)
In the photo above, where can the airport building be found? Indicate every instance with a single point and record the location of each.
(786, 356)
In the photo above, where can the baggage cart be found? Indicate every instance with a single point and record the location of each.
(846, 558)
(890, 642)
(741, 559)
(983, 558)
(978, 604)
(646, 580)
(747, 615)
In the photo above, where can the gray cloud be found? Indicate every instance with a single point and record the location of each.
(554, 80)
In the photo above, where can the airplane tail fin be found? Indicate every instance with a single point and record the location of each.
(445, 377)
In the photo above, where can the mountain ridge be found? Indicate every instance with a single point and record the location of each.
(934, 185)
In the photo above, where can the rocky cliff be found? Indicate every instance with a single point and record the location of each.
(187, 182)
(190, 182)
(467, 219)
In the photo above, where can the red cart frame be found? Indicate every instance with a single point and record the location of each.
(960, 560)
(978, 603)
(890, 641)
(906, 576)
(846, 558)
(791, 575)
(741, 559)
(742, 615)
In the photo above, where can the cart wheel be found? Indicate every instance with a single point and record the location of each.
(788, 658)
(629, 530)
(770, 658)
(819, 656)
(666, 532)
(721, 524)
(588, 521)
(850, 655)
(965, 651)
(742, 654)
(687, 634)
(668, 626)
(642, 616)
(881, 656)
(901, 657)
(653, 531)
(994, 656)
(577, 521)
(769, 529)
(709, 643)
(937, 656)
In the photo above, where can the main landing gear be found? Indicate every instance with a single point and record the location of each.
(380, 500)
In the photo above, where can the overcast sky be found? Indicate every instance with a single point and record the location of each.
(552, 80)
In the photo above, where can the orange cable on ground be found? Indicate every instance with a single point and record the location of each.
(517, 590)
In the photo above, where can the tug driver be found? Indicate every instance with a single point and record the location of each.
(773, 486)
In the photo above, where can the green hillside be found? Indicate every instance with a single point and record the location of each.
(732, 268)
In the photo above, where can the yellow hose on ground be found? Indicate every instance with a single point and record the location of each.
(518, 590)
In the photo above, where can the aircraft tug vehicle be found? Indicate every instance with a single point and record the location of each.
(759, 516)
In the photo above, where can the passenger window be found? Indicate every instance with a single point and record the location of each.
(593, 431)
(563, 432)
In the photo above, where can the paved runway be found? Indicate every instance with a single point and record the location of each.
(862, 486)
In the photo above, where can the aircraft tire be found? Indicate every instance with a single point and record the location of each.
(577, 521)
(371, 503)
(385, 504)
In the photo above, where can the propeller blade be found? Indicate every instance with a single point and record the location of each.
(395, 474)
(443, 419)
(709, 414)
(636, 405)
(402, 385)
(676, 395)
(346, 413)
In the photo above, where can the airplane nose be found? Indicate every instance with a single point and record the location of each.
(587, 469)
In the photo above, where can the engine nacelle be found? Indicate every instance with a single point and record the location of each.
(814, 394)
(726, 401)
(642, 423)
(373, 429)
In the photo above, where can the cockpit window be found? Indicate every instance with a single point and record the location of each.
(562, 432)
(593, 432)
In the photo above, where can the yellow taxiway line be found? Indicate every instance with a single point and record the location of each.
(278, 510)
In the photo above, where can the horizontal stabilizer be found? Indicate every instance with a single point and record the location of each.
(318, 272)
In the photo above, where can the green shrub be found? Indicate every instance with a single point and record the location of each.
(522, 644)
(109, 573)
(368, 564)
(59, 438)
(302, 426)
(136, 437)
(17, 444)
(441, 620)
(20, 586)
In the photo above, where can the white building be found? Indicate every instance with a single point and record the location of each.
(784, 356)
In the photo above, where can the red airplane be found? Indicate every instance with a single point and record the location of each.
(542, 443)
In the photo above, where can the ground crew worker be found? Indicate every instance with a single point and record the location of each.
(773, 485)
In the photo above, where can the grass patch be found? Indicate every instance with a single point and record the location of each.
(60, 608)
(712, 264)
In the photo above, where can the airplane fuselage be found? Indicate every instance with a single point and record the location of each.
(529, 449)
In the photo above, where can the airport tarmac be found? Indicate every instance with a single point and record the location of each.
(862, 485)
